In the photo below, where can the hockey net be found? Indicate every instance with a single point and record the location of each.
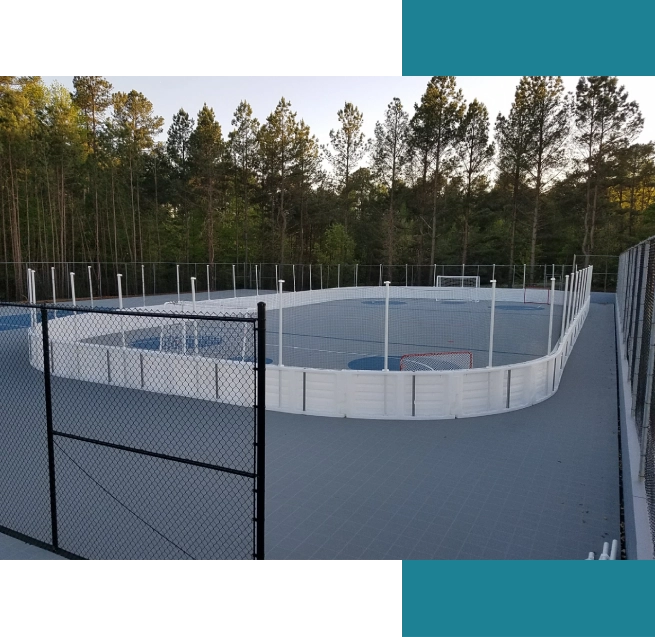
(458, 281)
(539, 296)
(436, 361)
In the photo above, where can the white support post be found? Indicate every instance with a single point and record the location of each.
(120, 291)
(493, 271)
(178, 283)
(569, 310)
(434, 276)
(195, 322)
(386, 326)
(72, 275)
(90, 285)
(524, 276)
(54, 290)
(143, 283)
(293, 269)
(566, 295)
(256, 284)
(380, 274)
(279, 336)
(338, 275)
(406, 275)
(120, 304)
(491, 322)
(209, 294)
(321, 276)
(356, 267)
(310, 277)
(234, 281)
(550, 320)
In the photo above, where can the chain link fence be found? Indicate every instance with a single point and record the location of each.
(133, 434)
(636, 300)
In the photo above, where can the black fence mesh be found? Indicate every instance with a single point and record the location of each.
(155, 425)
(636, 302)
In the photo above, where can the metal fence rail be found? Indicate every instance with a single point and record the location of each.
(115, 468)
(636, 304)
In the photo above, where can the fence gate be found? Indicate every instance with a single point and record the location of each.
(154, 442)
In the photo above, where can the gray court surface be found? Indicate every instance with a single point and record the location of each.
(539, 483)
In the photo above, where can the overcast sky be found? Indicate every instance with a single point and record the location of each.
(317, 99)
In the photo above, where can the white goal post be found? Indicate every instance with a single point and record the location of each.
(536, 295)
(436, 361)
(458, 281)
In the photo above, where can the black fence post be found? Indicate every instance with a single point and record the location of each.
(48, 412)
(261, 425)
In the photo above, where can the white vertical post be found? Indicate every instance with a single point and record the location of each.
(386, 327)
(356, 267)
(90, 285)
(493, 271)
(276, 276)
(234, 280)
(566, 295)
(338, 275)
(256, 283)
(321, 276)
(405, 275)
(279, 335)
(195, 322)
(54, 291)
(293, 269)
(571, 299)
(209, 294)
(550, 320)
(380, 274)
(120, 304)
(491, 322)
(310, 277)
(178, 283)
(72, 275)
(524, 276)
(120, 291)
(143, 283)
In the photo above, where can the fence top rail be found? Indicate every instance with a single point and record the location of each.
(636, 245)
(127, 312)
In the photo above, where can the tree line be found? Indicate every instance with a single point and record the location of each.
(83, 177)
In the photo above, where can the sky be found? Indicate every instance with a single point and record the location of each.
(317, 99)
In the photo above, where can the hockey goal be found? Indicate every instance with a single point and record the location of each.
(458, 281)
(539, 296)
(436, 361)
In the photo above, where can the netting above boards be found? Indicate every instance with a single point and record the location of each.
(435, 361)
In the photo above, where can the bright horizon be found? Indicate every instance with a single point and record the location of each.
(317, 99)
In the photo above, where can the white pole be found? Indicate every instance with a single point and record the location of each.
(120, 304)
(143, 284)
(277, 278)
(434, 278)
(279, 345)
(524, 276)
(90, 285)
(405, 275)
(380, 274)
(234, 280)
(54, 291)
(310, 277)
(338, 275)
(72, 274)
(209, 294)
(550, 321)
(178, 283)
(493, 271)
(293, 268)
(491, 322)
(386, 327)
(571, 299)
(256, 283)
(356, 266)
(566, 296)
(195, 322)
(120, 291)
(321, 276)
